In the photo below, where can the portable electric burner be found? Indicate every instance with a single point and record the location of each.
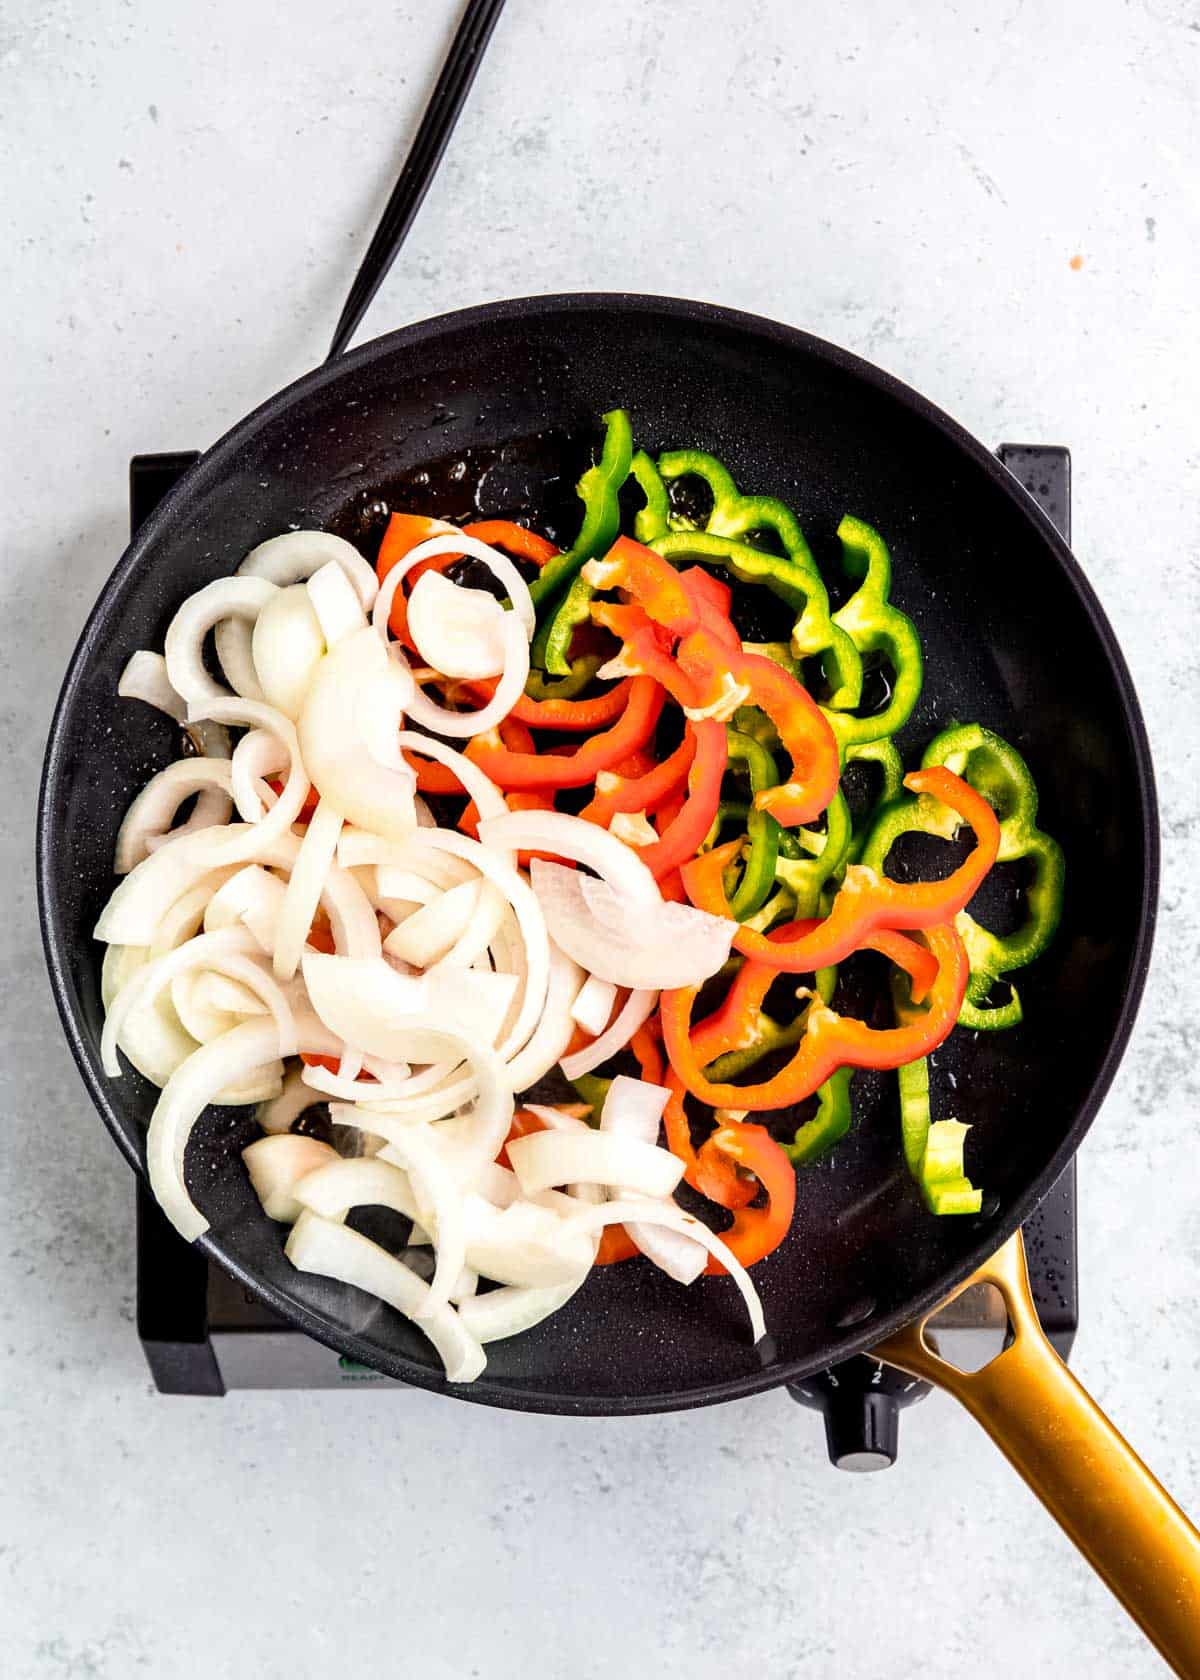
(204, 1333)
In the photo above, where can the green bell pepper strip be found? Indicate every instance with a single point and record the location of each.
(883, 753)
(806, 876)
(654, 520)
(770, 1034)
(796, 580)
(762, 831)
(933, 1149)
(558, 588)
(828, 1125)
(592, 1089)
(582, 670)
(874, 625)
(797, 583)
(997, 770)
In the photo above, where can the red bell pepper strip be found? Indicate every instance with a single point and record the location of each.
(682, 836)
(866, 901)
(514, 539)
(652, 581)
(618, 790)
(830, 1041)
(755, 1231)
(310, 798)
(528, 769)
(574, 715)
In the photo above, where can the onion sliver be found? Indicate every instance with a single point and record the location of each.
(637, 1211)
(277, 1164)
(296, 1098)
(344, 1090)
(258, 754)
(455, 629)
(524, 1244)
(305, 886)
(508, 690)
(638, 1007)
(287, 645)
(343, 1185)
(252, 896)
(582, 842)
(386, 1014)
(440, 1209)
(529, 918)
(490, 913)
(145, 678)
(511, 1310)
(336, 604)
(555, 1029)
(249, 847)
(457, 542)
(154, 809)
(335, 1251)
(634, 1108)
(229, 597)
(594, 1005)
(356, 692)
(190, 1089)
(226, 950)
(298, 555)
(544, 1159)
(489, 801)
(675, 945)
(431, 932)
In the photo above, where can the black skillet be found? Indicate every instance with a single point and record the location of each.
(492, 411)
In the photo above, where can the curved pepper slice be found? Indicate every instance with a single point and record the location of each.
(755, 1231)
(996, 769)
(528, 769)
(874, 625)
(830, 1040)
(762, 831)
(618, 791)
(574, 716)
(867, 900)
(679, 839)
(514, 539)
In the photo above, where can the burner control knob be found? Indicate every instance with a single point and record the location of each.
(861, 1400)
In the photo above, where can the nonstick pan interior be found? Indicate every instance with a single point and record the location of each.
(492, 412)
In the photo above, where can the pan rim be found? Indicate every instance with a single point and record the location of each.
(794, 339)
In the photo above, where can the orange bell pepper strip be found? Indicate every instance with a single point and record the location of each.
(831, 1040)
(755, 1231)
(682, 836)
(619, 790)
(574, 715)
(528, 769)
(652, 581)
(866, 900)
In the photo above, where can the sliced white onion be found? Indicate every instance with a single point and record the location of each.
(152, 1038)
(343, 1185)
(516, 889)
(582, 842)
(489, 801)
(250, 847)
(357, 694)
(305, 887)
(317, 1245)
(298, 555)
(555, 1029)
(294, 1099)
(277, 1164)
(544, 1159)
(210, 1069)
(200, 1017)
(336, 603)
(229, 950)
(257, 755)
(524, 1244)
(638, 1211)
(637, 1008)
(594, 1005)
(457, 542)
(633, 1108)
(155, 808)
(508, 691)
(346, 1090)
(252, 896)
(675, 945)
(439, 1208)
(511, 1310)
(431, 932)
(455, 629)
(387, 1014)
(287, 645)
(229, 597)
(145, 678)
(471, 945)
(465, 1287)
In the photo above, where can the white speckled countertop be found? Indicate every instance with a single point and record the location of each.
(999, 205)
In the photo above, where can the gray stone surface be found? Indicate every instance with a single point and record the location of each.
(996, 203)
